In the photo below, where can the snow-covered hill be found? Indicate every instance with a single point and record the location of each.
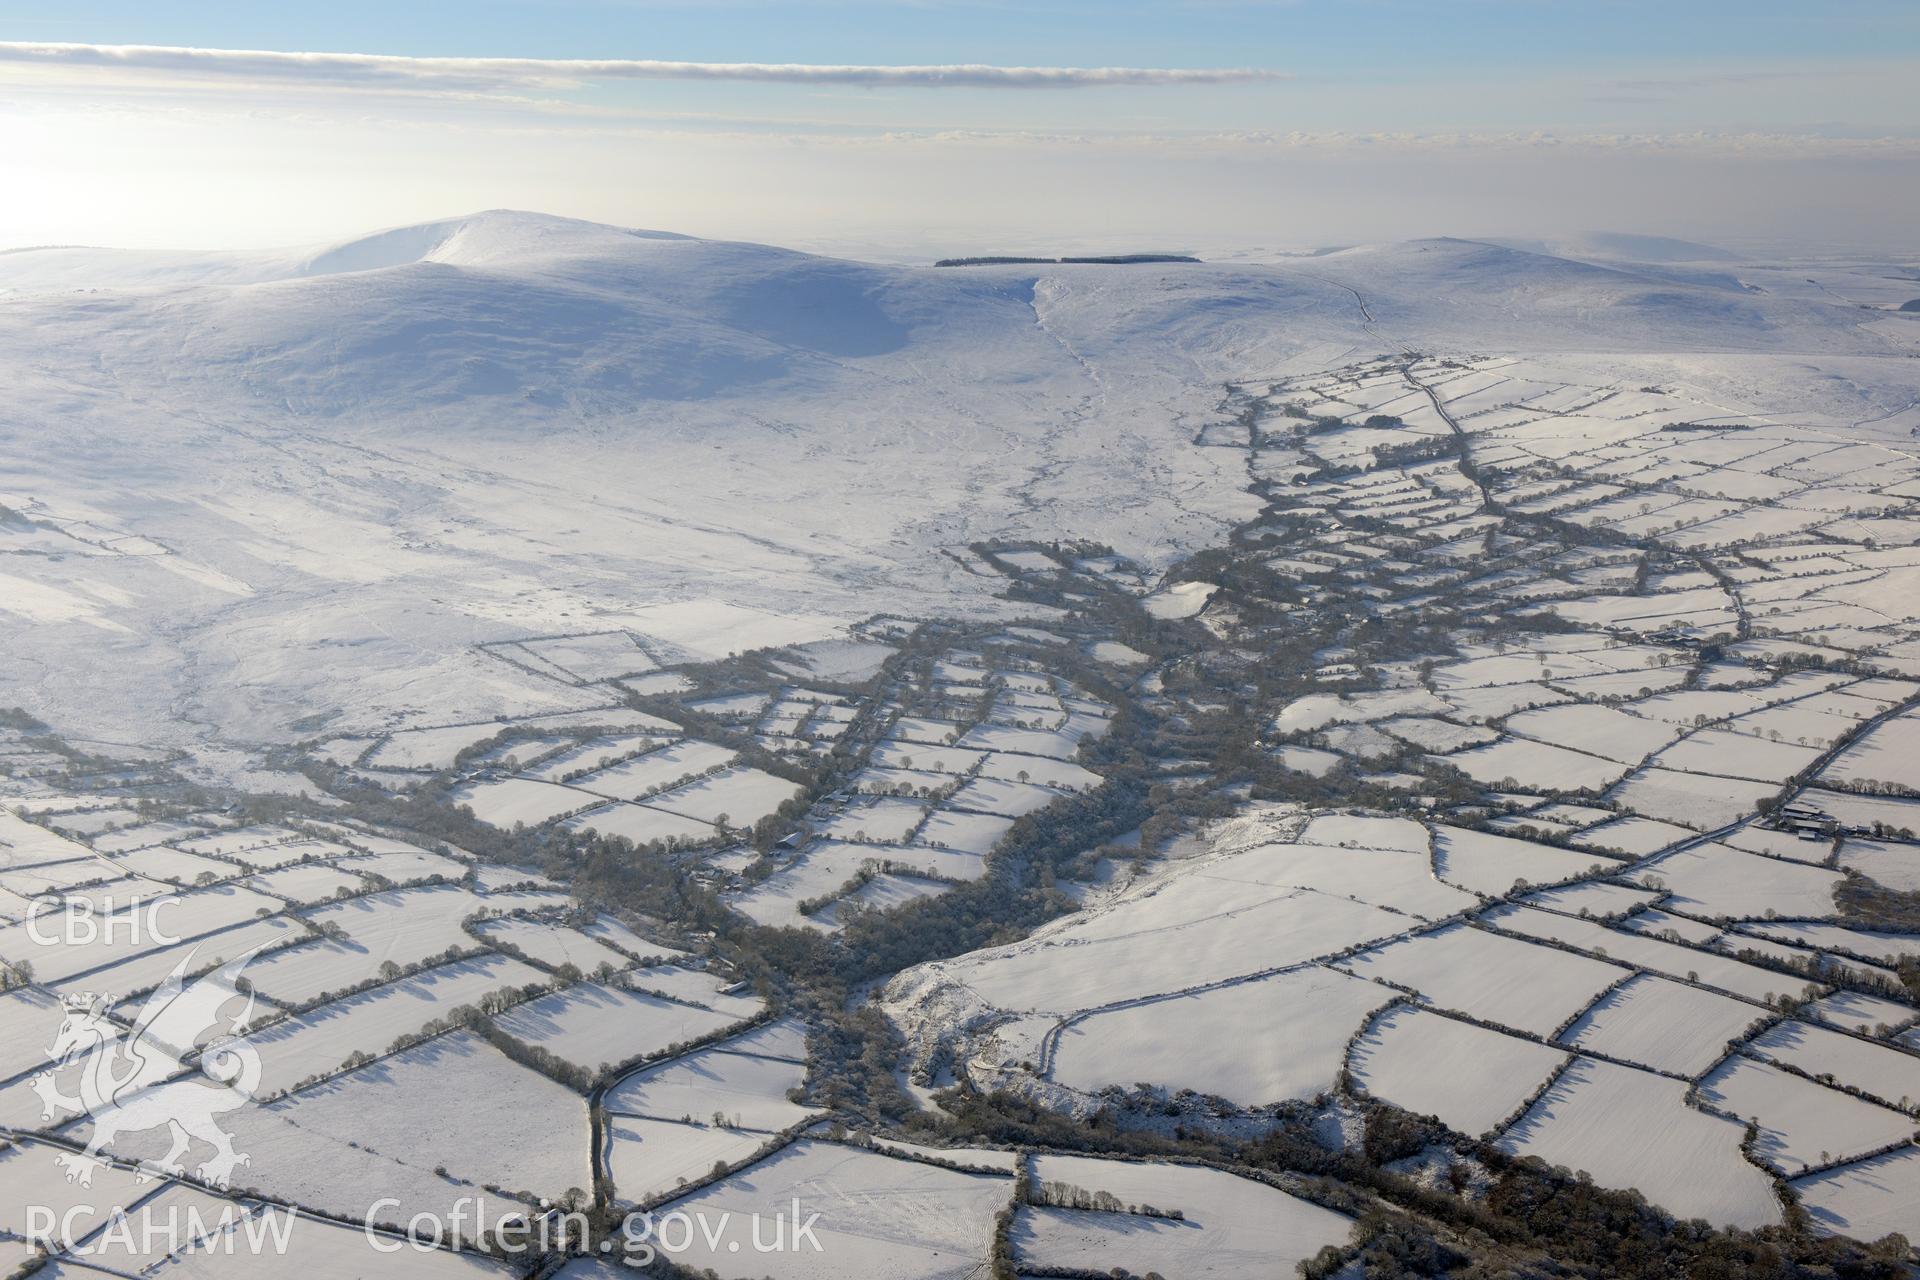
(269, 495)
(1615, 246)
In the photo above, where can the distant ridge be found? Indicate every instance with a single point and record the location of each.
(1110, 260)
(1616, 246)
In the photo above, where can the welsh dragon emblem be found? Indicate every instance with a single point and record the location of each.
(179, 1067)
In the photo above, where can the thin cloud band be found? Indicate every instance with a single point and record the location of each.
(389, 69)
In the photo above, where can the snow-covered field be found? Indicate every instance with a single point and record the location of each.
(668, 1125)
(425, 1127)
(880, 1216)
(1229, 1226)
(1662, 1024)
(649, 1158)
(1802, 1123)
(1877, 1070)
(1492, 977)
(1715, 880)
(1630, 1128)
(594, 1026)
(317, 1042)
(1221, 926)
(1471, 1077)
(552, 945)
(749, 1092)
(1289, 1031)
(1868, 1200)
(1491, 864)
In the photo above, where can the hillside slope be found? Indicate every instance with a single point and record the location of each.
(270, 494)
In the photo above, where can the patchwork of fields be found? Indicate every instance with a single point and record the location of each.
(1620, 681)
(1537, 767)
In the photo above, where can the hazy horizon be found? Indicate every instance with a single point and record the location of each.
(904, 130)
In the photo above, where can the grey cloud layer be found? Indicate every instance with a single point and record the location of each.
(467, 73)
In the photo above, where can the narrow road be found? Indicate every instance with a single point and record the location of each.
(1467, 469)
(1367, 321)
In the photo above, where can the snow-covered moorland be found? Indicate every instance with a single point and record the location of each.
(1059, 767)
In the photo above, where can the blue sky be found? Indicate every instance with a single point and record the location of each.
(1348, 36)
(1759, 119)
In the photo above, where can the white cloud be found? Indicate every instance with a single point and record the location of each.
(390, 71)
